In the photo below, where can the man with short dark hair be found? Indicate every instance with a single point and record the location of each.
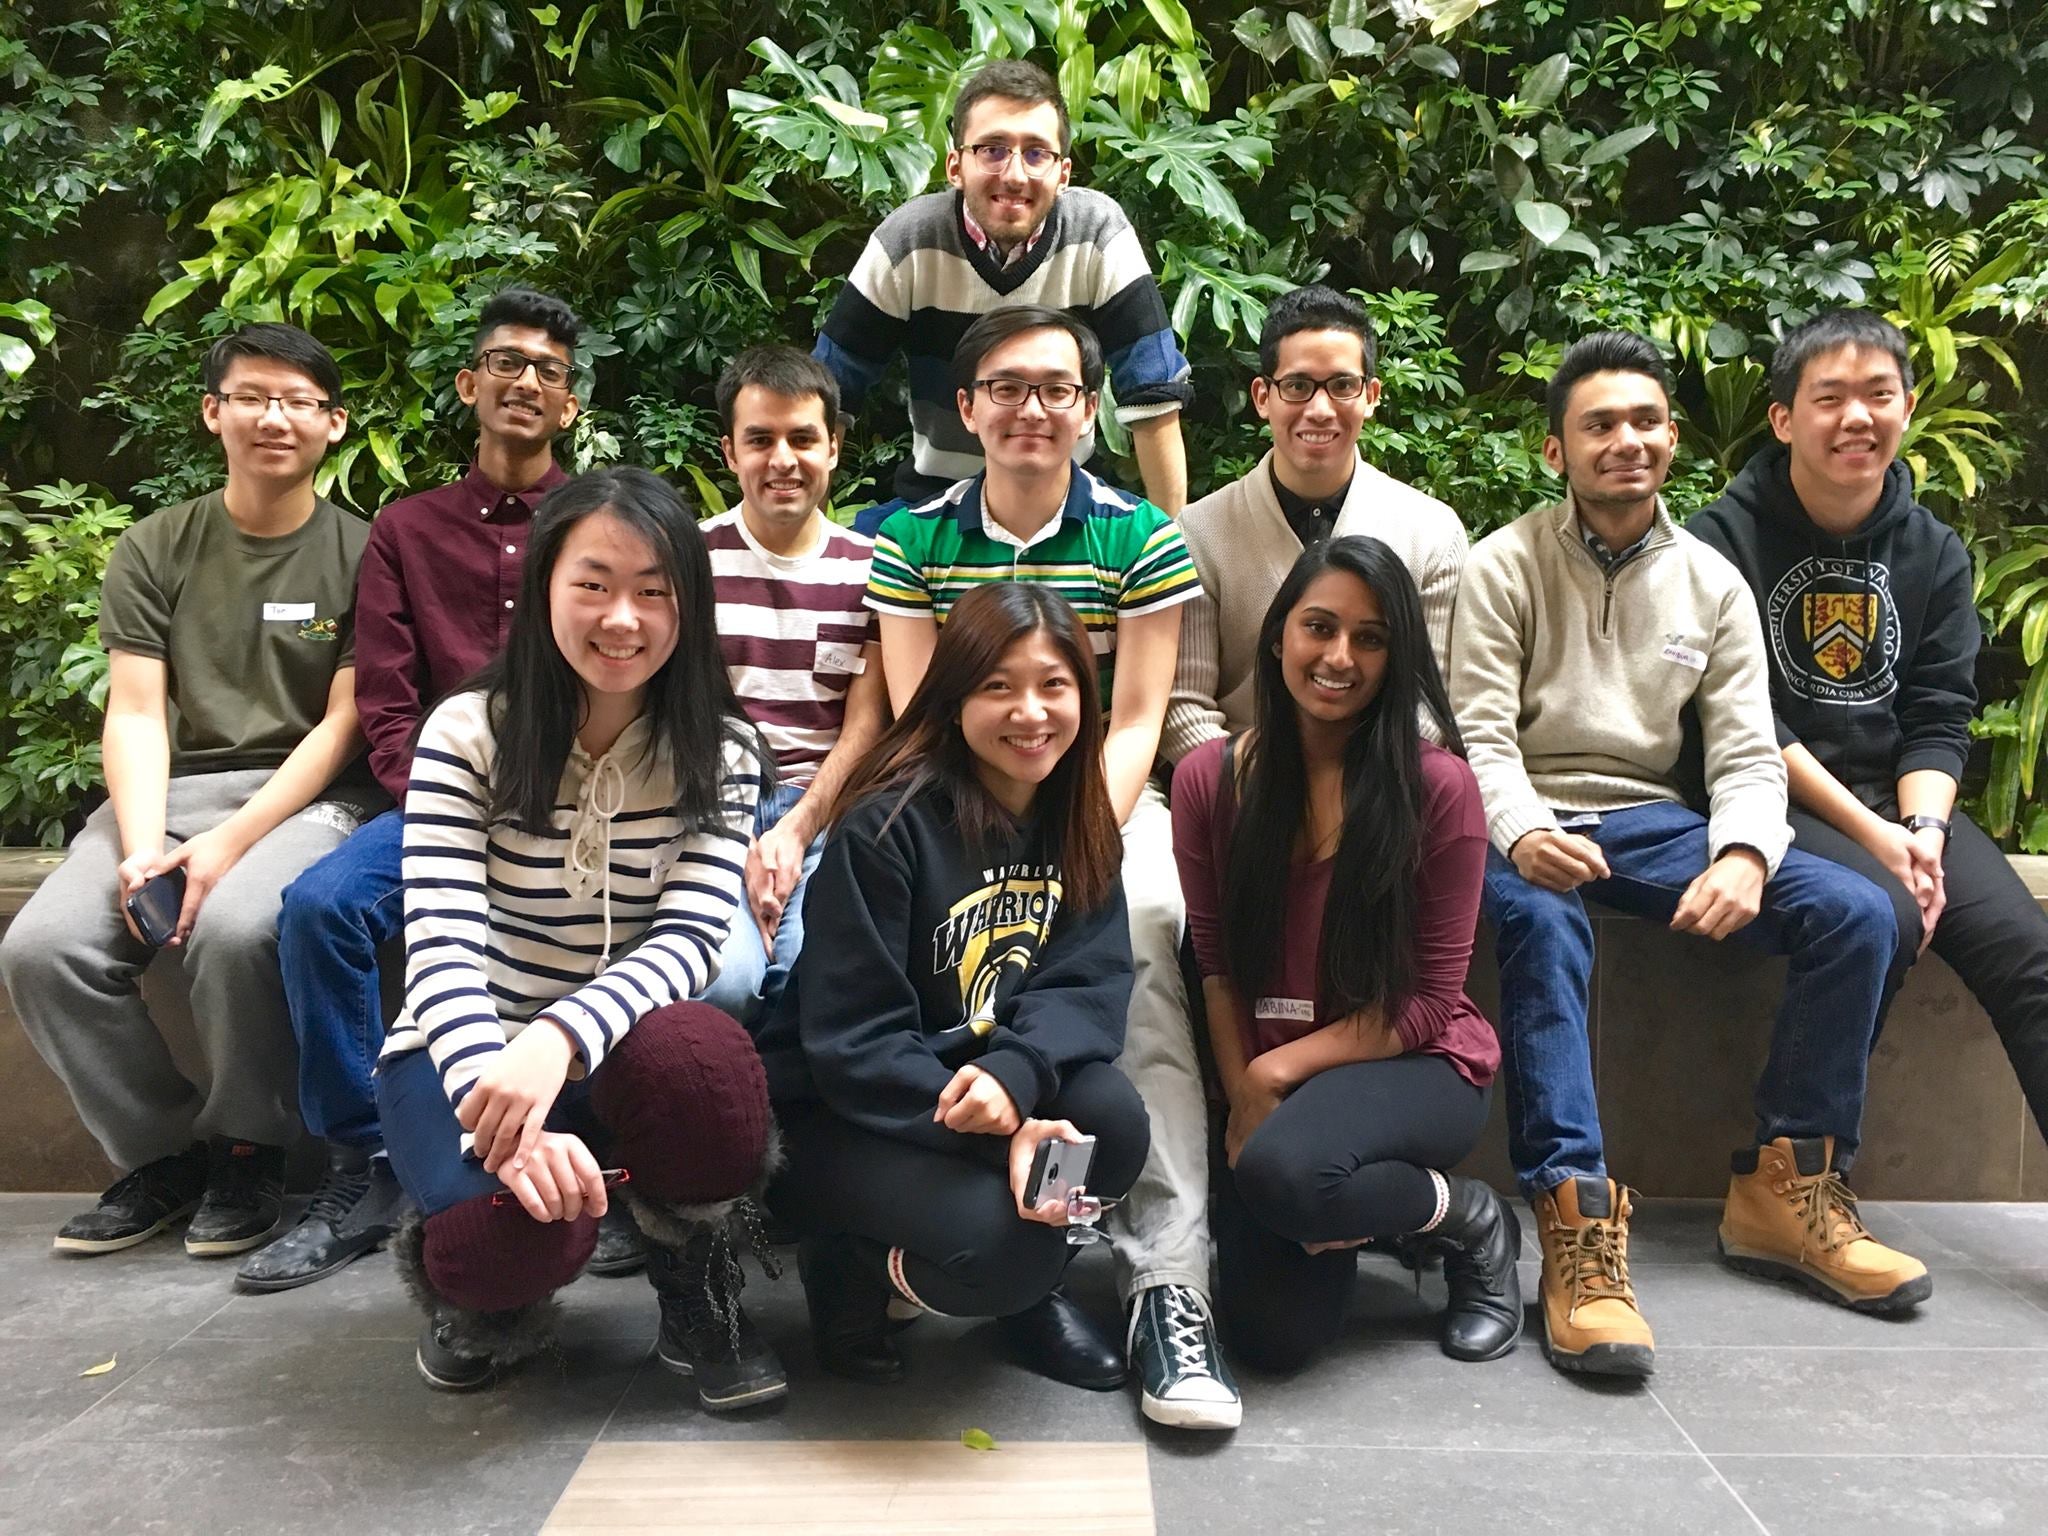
(1026, 383)
(1318, 382)
(1010, 231)
(798, 643)
(433, 603)
(1868, 610)
(230, 734)
(1583, 633)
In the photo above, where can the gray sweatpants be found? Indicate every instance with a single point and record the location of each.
(74, 974)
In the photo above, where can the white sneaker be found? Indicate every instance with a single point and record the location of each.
(1172, 1346)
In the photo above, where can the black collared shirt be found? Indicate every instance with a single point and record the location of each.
(1312, 521)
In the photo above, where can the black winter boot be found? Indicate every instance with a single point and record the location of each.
(705, 1332)
(849, 1304)
(1481, 1240)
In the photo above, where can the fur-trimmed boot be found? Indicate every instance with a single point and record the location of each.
(461, 1349)
(694, 1265)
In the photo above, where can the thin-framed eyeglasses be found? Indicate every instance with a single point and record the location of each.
(248, 402)
(1300, 388)
(995, 158)
(1053, 394)
(510, 362)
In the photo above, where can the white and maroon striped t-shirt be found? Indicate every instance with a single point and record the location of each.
(791, 629)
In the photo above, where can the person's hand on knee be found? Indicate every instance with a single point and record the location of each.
(559, 1180)
(507, 1109)
(975, 1103)
(1558, 861)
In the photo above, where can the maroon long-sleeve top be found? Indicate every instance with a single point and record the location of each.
(434, 600)
(1437, 1018)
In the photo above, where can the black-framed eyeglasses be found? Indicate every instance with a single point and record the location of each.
(249, 402)
(996, 157)
(1053, 394)
(510, 362)
(1299, 388)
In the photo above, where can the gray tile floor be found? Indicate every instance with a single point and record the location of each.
(1769, 1411)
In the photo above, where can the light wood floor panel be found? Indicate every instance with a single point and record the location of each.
(827, 1487)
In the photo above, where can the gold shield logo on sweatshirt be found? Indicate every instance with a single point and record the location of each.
(1839, 628)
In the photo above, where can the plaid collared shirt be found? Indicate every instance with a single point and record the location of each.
(983, 242)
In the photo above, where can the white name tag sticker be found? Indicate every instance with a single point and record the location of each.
(1296, 1010)
(287, 612)
(838, 656)
(1685, 656)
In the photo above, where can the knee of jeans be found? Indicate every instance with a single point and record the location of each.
(685, 1094)
(1865, 917)
(493, 1257)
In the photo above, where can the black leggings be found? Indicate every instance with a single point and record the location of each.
(967, 1252)
(1993, 935)
(1345, 1156)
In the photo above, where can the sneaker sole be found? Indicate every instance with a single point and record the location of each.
(1636, 1360)
(63, 1244)
(744, 1397)
(265, 1286)
(217, 1248)
(444, 1384)
(1904, 1298)
(1175, 1415)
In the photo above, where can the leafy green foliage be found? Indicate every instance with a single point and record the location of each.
(1492, 176)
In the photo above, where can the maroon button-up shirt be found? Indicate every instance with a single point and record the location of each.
(434, 600)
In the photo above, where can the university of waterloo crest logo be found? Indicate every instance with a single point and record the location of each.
(1834, 630)
(1839, 628)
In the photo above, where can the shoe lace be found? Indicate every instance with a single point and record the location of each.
(1594, 1259)
(755, 1227)
(335, 1194)
(711, 1308)
(1828, 1208)
(1187, 1332)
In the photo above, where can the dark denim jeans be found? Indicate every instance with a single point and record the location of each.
(1834, 925)
(750, 979)
(336, 916)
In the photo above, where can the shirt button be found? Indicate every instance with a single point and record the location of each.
(508, 602)
(511, 549)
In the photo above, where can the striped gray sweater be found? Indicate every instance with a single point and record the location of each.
(613, 911)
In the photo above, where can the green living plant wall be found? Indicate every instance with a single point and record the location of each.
(1492, 178)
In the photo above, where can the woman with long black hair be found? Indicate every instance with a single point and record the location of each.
(960, 996)
(1331, 860)
(575, 832)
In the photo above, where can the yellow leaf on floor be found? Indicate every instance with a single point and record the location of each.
(973, 1439)
(102, 1368)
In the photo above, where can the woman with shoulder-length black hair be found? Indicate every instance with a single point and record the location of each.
(575, 833)
(1332, 862)
(960, 996)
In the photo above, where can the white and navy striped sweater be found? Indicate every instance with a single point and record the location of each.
(614, 911)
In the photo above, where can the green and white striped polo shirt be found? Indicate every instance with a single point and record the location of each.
(1108, 553)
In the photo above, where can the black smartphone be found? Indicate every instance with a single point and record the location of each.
(1058, 1168)
(155, 908)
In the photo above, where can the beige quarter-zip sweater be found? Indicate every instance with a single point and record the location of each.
(1570, 681)
(1244, 548)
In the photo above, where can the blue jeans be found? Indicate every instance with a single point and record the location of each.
(749, 979)
(336, 916)
(1834, 926)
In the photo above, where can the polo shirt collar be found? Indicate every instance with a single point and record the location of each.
(971, 514)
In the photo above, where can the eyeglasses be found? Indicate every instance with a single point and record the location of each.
(1299, 388)
(247, 402)
(508, 363)
(996, 157)
(1053, 394)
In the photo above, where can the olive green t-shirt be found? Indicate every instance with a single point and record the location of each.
(251, 630)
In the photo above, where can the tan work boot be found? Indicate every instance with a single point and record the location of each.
(1791, 1217)
(1590, 1321)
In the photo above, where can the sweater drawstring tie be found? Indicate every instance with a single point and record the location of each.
(589, 860)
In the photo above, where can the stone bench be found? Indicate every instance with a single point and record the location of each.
(1678, 1032)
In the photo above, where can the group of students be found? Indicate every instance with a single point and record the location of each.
(754, 872)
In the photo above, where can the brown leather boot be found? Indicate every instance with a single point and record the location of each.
(1789, 1216)
(1590, 1321)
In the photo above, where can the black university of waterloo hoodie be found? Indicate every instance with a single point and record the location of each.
(1873, 638)
(921, 955)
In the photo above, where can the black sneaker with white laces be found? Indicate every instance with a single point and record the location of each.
(138, 1205)
(244, 1199)
(353, 1210)
(1179, 1365)
(705, 1332)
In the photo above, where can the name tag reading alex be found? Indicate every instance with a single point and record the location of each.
(1295, 1010)
(838, 656)
(1685, 656)
(288, 612)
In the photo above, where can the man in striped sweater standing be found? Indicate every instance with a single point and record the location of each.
(796, 636)
(1318, 382)
(1010, 231)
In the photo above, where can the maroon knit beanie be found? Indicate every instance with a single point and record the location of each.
(685, 1097)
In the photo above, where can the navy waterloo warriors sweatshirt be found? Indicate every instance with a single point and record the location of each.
(921, 954)
(1873, 638)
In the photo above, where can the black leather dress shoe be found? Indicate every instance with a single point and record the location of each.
(1056, 1338)
(1481, 1240)
(354, 1209)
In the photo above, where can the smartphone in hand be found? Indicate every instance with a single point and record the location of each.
(154, 909)
(1058, 1168)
